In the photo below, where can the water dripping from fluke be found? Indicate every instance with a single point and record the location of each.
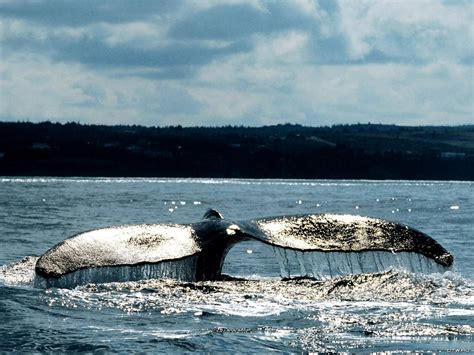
(180, 270)
(325, 265)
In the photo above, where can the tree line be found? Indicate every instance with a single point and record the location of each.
(361, 151)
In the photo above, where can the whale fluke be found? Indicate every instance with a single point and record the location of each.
(122, 245)
(345, 233)
(197, 251)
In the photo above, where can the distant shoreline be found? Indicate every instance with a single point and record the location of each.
(218, 180)
(352, 152)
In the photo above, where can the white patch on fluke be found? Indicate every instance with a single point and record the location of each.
(232, 229)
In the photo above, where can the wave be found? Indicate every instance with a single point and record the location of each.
(400, 292)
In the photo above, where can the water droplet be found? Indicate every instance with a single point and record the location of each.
(249, 251)
(452, 207)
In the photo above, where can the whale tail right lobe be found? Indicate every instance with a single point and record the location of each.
(344, 233)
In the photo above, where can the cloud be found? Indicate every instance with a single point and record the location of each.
(96, 52)
(233, 21)
(74, 13)
(237, 61)
(42, 90)
(415, 32)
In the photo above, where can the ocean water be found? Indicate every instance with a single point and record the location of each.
(394, 311)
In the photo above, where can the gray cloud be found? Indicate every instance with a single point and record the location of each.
(332, 50)
(176, 59)
(96, 53)
(228, 22)
(83, 12)
(331, 7)
(237, 21)
(177, 101)
(177, 72)
(468, 60)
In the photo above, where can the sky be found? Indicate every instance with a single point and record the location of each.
(237, 62)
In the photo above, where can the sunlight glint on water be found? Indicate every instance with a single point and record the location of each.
(395, 311)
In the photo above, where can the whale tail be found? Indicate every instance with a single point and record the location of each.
(197, 251)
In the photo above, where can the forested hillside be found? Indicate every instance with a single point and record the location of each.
(283, 151)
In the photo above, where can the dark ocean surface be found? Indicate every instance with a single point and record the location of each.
(394, 311)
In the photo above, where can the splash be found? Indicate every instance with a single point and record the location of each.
(263, 298)
(21, 272)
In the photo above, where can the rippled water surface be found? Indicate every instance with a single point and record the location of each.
(394, 311)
